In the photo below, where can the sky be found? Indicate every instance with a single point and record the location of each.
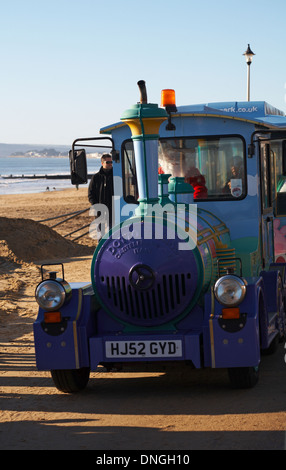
(70, 67)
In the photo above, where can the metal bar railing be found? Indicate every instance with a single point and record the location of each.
(77, 230)
(80, 236)
(58, 217)
(69, 218)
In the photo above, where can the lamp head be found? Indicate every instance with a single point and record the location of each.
(248, 55)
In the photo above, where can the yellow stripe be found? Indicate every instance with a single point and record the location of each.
(212, 330)
(252, 121)
(108, 130)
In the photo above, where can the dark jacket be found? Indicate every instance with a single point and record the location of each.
(100, 190)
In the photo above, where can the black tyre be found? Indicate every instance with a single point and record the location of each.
(71, 381)
(243, 377)
(272, 348)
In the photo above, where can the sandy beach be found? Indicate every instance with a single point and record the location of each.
(147, 410)
(25, 244)
(50, 204)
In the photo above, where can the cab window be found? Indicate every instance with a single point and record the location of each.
(130, 188)
(213, 166)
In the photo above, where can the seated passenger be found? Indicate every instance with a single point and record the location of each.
(197, 180)
(235, 184)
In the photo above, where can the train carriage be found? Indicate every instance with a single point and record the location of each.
(193, 269)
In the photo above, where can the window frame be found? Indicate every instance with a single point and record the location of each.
(205, 137)
(279, 199)
(124, 174)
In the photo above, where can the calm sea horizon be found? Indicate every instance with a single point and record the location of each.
(12, 170)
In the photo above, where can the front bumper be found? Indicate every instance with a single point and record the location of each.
(145, 348)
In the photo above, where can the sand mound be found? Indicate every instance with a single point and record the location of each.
(6, 255)
(31, 241)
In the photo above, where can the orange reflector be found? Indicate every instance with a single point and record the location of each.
(168, 98)
(52, 317)
(230, 313)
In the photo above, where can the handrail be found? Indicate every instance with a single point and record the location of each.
(69, 216)
(58, 217)
(77, 230)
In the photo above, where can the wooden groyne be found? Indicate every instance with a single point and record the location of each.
(47, 177)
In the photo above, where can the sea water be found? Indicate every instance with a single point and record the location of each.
(12, 170)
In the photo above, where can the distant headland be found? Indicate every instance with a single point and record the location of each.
(41, 151)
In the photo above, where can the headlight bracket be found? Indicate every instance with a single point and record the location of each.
(221, 266)
(52, 274)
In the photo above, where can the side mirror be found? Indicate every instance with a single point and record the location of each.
(78, 166)
(284, 157)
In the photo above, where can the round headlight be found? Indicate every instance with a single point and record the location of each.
(230, 290)
(50, 295)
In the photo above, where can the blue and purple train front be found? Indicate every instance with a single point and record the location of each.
(182, 279)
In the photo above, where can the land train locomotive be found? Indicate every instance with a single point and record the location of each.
(193, 269)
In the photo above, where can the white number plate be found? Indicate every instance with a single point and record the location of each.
(140, 349)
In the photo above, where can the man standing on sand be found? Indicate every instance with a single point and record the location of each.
(101, 190)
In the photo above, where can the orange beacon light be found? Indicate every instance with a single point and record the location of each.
(168, 98)
(168, 101)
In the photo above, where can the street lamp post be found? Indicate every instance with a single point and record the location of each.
(248, 57)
